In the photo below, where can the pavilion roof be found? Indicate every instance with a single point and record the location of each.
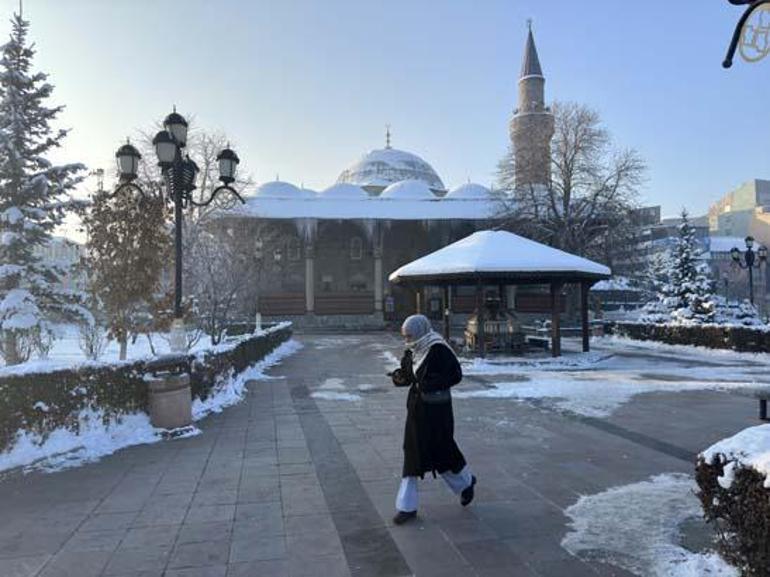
(499, 256)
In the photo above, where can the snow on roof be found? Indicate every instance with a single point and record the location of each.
(408, 190)
(385, 166)
(344, 190)
(280, 189)
(369, 208)
(469, 190)
(726, 243)
(490, 252)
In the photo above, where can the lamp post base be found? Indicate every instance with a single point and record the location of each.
(178, 337)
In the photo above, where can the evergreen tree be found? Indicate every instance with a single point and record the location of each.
(34, 198)
(691, 287)
(128, 247)
(684, 288)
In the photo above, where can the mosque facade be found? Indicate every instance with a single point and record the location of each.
(326, 255)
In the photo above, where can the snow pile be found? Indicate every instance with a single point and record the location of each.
(616, 283)
(636, 527)
(95, 439)
(750, 448)
(231, 391)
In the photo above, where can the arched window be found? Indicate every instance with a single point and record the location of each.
(356, 248)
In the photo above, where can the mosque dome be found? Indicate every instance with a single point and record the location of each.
(385, 166)
(280, 189)
(345, 191)
(469, 191)
(408, 190)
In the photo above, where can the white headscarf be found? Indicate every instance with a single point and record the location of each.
(420, 338)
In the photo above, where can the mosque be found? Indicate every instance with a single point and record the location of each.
(327, 255)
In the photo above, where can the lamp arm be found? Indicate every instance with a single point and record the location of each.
(217, 190)
(126, 187)
(728, 61)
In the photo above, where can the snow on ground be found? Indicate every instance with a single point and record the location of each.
(63, 449)
(232, 390)
(589, 393)
(748, 448)
(66, 352)
(506, 365)
(636, 527)
(335, 396)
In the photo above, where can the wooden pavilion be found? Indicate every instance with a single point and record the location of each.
(500, 258)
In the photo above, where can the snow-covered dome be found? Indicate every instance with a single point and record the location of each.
(280, 189)
(408, 190)
(386, 166)
(469, 191)
(344, 190)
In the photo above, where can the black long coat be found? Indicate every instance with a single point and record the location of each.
(429, 445)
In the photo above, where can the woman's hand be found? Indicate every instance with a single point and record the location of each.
(399, 378)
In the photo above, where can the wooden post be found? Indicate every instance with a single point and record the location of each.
(584, 288)
(556, 319)
(447, 310)
(418, 300)
(480, 336)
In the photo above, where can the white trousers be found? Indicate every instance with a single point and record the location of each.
(408, 498)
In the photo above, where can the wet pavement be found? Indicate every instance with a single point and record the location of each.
(300, 478)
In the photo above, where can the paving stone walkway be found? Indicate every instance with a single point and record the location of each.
(288, 484)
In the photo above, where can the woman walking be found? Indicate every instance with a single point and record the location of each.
(429, 368)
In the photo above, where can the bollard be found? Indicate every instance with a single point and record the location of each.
(170, 400)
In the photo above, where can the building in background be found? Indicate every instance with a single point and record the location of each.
(66, 254)
(329, 253)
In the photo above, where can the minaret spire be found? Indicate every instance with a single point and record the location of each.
(531, 63)
(532, 125)
(387, 136)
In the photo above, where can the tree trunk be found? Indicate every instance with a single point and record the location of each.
(123, 348)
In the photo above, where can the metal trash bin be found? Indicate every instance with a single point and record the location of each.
(169, 393)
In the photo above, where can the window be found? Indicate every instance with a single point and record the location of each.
(356, 248)
(294, 249)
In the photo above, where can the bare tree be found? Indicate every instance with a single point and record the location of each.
(224, 273)
(586, 207)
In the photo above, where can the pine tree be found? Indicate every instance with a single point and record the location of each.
(692, 289)
(34, 198)
(128, 247)
(685, 293)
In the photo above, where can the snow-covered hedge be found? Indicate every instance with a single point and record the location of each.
(737, 338)
(40, 402)
(732, 476)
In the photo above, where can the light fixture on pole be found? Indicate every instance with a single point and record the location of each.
(179, 175)
(749, 260)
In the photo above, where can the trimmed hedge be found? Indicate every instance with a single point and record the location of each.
(742, 339)
(740, 515)
(113, 389)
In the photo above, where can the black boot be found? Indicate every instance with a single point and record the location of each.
(404, 516)
(467, 495)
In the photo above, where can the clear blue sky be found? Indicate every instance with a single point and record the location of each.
(305, 87)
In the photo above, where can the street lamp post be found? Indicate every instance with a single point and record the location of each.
(179, 174)
(757, 42)
(750, 261)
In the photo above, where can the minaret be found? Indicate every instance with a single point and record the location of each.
(532, 123)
